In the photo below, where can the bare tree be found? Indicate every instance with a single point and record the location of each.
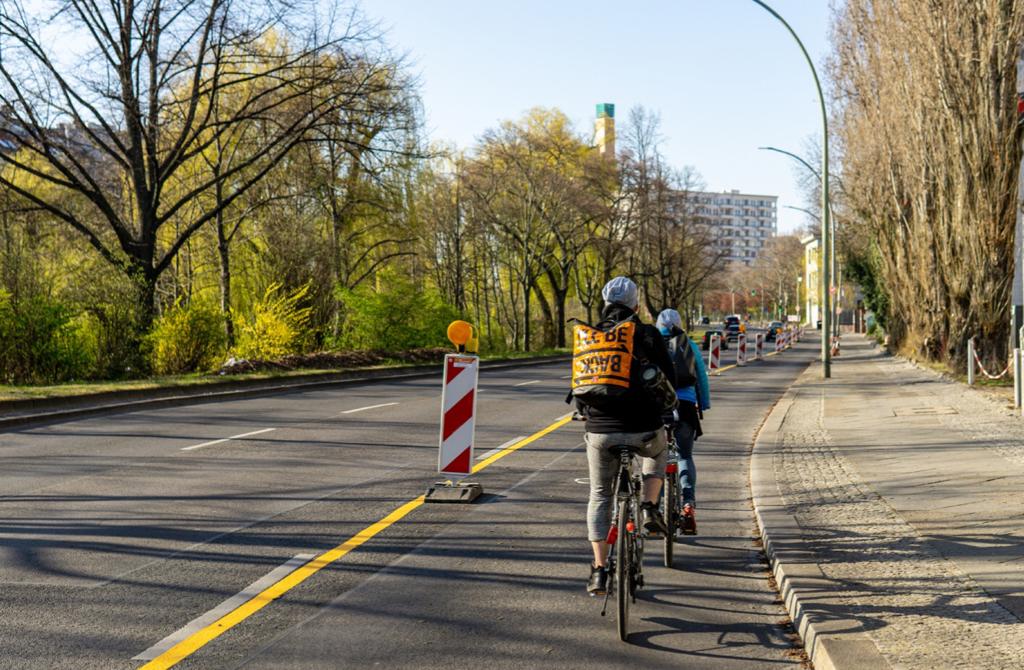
(927, 126)
(672, 249)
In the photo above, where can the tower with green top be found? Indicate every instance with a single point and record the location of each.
(604, 130)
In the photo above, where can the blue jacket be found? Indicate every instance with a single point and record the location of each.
(704, 396)
(700, 394)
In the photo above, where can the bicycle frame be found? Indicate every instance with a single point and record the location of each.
(628, 489)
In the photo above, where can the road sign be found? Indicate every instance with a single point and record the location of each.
(458, 414)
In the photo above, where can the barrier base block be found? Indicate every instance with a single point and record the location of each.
(448, 492)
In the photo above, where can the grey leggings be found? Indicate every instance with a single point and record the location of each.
(603, 466)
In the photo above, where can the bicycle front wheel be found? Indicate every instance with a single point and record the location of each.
(670, 510)
(623, 570)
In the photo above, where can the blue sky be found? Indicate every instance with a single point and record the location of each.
(725, 77)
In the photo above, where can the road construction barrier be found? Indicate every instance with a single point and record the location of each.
(714, 353)
(458, 414)
(778, 342)
(974, 360)
(741, 349)
(759, 347)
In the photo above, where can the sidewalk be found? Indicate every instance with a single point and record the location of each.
(891, 503)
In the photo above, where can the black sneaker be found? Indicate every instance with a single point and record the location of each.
(654, 522)
(598, 584)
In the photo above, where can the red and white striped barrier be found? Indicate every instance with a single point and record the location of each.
(458, 414)
(778, 342)
(714, 353)
(759, 346)
(741, 349)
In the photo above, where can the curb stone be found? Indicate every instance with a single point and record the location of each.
(126, 401)
(831, 643)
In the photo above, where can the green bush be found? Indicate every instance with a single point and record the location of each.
(39, 342)
(405, 316)
(187, 338)
(278, 325)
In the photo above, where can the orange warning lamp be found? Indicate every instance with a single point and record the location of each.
(460, 333)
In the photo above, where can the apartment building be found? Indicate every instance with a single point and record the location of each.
(742, 222)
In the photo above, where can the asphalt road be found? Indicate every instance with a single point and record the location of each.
(118, 531)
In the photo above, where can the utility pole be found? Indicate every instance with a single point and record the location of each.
(1017, 309)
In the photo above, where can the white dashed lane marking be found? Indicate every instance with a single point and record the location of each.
(227, 439)
(363, 409)
(499, 448)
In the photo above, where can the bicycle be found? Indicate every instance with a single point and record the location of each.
(670, 508)
(626, 537)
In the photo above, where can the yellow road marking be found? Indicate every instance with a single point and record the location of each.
(521, 443)
(201, 637)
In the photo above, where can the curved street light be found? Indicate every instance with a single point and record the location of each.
(836, 275)
(826, 353)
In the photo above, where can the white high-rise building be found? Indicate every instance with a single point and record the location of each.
(741, 222)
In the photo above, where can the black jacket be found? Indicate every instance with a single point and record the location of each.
(637, 415)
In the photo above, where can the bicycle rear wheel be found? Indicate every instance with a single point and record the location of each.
(670, 510)
(623, 570)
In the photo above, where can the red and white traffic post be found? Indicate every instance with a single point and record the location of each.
(759, 346)
(741, 349)
(779, 336)
(714, 353)
(458, 418)
(458, 414)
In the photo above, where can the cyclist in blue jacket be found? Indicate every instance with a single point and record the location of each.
(694, 399)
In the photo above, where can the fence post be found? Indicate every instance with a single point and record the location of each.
(970, 362)
(1018, 372)
(1016, 377)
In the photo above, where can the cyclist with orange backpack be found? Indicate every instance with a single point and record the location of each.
(613, 366)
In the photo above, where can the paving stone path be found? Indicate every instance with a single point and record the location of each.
(907, 492)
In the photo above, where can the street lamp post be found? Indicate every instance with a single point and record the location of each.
(833, 262)
(799, 307)
(826, 354)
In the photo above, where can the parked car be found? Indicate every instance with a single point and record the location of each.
(732, 326)
(705, 321)
(707, 339)
(773, 328)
